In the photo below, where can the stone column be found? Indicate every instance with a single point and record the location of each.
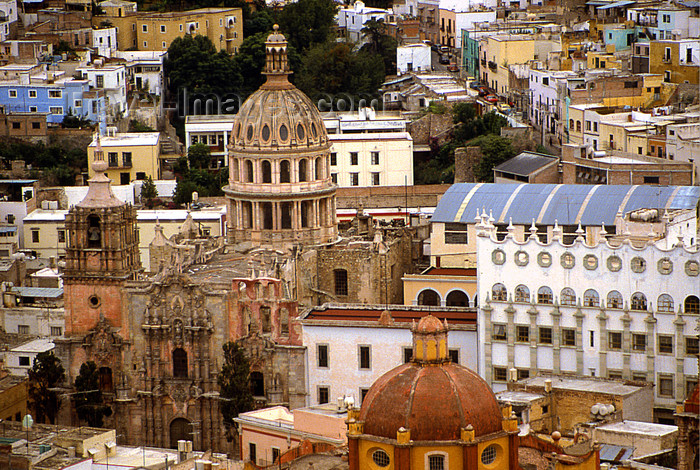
(510, 328)
(532, 311)
(488, 333)
(276, 222)
(556, 340)
(680, 355)
(603, 350)
(626, 345)
(651, 346)
(579, 316)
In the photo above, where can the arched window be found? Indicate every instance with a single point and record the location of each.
(179, 362)
(235, 170)
(591, 298)
(568, 297)
(614, 299)
(180, 430)
(302, 170)
(319, 169)
(499, 292)
(692, 305)
(247, 214)
(545, 296)
(266, 172)
(429, 297)
(248, 171)
(267, 215)
(284, 171)
(457, 298)
(286, 216)
(257, 384)
(639, 301)
(305, 208)
(265, 319)
(94, 231)
(665, 303)
(522, 294)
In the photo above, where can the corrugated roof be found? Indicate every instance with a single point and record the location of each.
(568, 204)
(613, 453)
(46, 292)
(526, 163)
(621, 3)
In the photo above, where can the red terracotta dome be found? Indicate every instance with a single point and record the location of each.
(430, 324)
(433, 401)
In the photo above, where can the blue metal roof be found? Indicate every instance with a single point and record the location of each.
(8, 229)
(569, 204)
(621, 3)
(615, 453)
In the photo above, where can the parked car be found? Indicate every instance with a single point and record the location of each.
(483, 90)
(491, 98)
(444, 59)
(474, 85)
(453, 67)
(504, 108)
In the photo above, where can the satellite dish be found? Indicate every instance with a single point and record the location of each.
(595, 409)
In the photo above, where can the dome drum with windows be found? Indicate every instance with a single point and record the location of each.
(280, 189)
(431, 414)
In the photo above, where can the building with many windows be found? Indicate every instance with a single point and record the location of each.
(618, 310)
(154, 31)
(130, 156)
(349, 347)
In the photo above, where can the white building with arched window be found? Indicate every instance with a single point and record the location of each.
(627, 311)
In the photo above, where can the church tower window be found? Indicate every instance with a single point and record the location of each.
(180, 363)
(94, 232)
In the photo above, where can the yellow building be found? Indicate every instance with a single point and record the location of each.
(450, 287)
(148, 31)
(13, 398)
(130, 156)
(433, 414)
(676, 60)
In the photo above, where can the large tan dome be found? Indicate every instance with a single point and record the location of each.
(280, 189)
(278, 118)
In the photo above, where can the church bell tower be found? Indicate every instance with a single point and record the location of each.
(101, 256)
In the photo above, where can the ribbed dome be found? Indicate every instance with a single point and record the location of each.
(278, 115)
(432, 401)
(278, 118)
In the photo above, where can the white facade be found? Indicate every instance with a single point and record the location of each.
(105, 41)
(343, 375)
(20, 359)
(467, 20)
(213, 130)
(683, 143)
(354, 18)
(413, 58)
(8, 16)
(110, 78)
(600, 310)
(369, 149)
(144, 69)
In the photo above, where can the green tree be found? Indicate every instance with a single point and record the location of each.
(149, 191)
(199, 156)
(375, 31)
(308, 22)
(194, 65)
(183, 191)
(234, 384)
(88, 400)
(260, 21)
(44, 376)
(496, 150)
(137, 126)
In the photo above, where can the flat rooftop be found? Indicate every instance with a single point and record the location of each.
(583, 384)
(34, 346)
(639, 427)
(512, 396)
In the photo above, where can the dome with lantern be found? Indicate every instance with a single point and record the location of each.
(280, 189)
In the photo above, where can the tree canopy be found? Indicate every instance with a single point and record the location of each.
(88, 400)
(45, 375)
(307, 23)
(199, 156)
(234, 384)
